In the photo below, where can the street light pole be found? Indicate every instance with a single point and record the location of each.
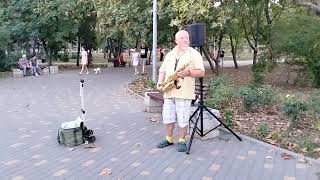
(154, 42)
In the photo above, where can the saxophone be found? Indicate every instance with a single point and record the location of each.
(172, 81)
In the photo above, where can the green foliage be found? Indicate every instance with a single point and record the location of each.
(217, 82)
(259, 69)
(73, 55)
(64, 57)
(254, 96)
(220, 93)
(307, 144)
(228, 116)
(297, 35)
(151, 84)
(257, 74)
(263, 129)
(8, 61)
(314, 104)
(294, 108)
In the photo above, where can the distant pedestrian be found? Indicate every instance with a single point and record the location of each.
(143, 57)
(135, 60)
(221, 56)
(84, 60)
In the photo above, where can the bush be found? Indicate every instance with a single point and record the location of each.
(64, 57)
(249, 96)
(220, 93)
(217, 82)
(258, 70)
(73, 55)
(151, 84)
(253, 96)
(306, 145)
(228, 116)
(8, 61)
(294, 108)
(263, 129)
(294, 40)
(314, 104)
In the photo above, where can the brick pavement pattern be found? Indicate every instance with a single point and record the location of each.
(32, 109)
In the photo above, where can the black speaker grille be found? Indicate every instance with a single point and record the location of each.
(197, 33)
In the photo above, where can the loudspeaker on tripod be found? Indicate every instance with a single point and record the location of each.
(197, 33)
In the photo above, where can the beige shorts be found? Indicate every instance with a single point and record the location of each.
(176, 109)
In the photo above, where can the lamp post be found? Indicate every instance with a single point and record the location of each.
(154, 42)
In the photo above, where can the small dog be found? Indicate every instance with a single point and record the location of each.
(97, 70)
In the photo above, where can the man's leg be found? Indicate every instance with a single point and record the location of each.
(169, 132)
(183, 115)
(182, 133)
(169, 117)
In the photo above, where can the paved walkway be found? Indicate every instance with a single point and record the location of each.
(32, 109)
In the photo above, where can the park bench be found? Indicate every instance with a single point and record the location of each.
(17, 72)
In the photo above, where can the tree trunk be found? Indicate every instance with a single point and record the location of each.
(109, 47)
(216, 60)
(234, 51)
(34, 47)
(78, 51)
(255, 55)
(207, 57)
(90, 58)
(46, 51)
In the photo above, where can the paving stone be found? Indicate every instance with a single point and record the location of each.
(30, 149)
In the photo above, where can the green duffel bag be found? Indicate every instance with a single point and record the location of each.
(70, 137)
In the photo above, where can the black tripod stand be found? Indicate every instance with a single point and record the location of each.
(199, 110)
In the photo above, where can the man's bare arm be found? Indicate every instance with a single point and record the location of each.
(161, 78)
(196, 73)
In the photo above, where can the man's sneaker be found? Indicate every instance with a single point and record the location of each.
(164, 143)
(181, 147)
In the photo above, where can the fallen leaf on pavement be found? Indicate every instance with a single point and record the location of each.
(105, 172)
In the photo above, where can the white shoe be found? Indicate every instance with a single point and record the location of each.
(80, 73)
(37, 74)
(87, 73)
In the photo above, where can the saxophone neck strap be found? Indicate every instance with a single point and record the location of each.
(177, 60)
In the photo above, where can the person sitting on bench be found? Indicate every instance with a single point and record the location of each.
(34, 64)
(24, 64)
